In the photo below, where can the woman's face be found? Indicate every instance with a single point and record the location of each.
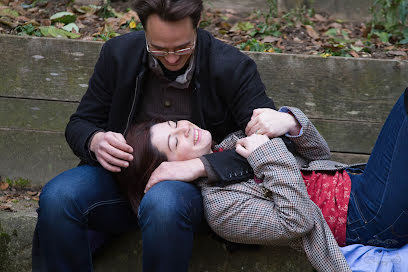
(181, 140)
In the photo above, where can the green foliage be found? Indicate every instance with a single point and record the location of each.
(28, 30)
(257, 46)
(273, 9)
(267, 30)
(63, 17)
(52, 31)
(106, 11)
(390, 20)
(18, 183)
(300, 14)
(106, 36)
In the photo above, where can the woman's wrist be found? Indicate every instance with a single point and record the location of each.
(295, 127)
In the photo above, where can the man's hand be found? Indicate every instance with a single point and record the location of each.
(177, 170)
(247, 145)
(111, 150)
(272, 123)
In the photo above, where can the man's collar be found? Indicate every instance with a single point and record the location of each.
(182, 81)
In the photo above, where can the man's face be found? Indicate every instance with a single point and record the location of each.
(170, 36)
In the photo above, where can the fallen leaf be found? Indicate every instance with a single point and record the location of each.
(22, 19)
(6, 207)
(5, 11)
(45, 22)
(31, 193)
(33, 10)
(63, 17)
(354, 54)
(336, 25)
(59, 25)
(311, 32)
(128, 16)
(51, 31)
(72, 27)
(4, 185)
(270, 39)
(112, 23)
(389, 47)
(296, 39)
(359, 43)
(7, 21)
(242, 26)
(319, 18)
(397, 53)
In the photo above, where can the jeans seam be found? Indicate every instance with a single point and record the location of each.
(358, 210)
(101, 203)
(393, 223)
(383, 196)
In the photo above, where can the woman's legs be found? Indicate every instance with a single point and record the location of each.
(378, 209)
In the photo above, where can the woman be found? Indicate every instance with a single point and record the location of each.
(275, 207)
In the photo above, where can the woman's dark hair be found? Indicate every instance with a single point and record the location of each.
(146, 158)
(169, 10)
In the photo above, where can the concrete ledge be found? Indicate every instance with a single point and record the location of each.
(125, 252)
(16, 232)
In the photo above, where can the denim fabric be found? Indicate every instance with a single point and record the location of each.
(87, 198)
(378, 207)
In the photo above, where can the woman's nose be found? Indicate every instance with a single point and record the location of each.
(183, 128)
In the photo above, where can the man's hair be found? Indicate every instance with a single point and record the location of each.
(146, 158)
(169, 10)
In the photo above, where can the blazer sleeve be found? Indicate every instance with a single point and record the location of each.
(277, 167)
(309, 144)
(229, 166)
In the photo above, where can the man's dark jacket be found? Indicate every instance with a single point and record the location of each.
(226, 89)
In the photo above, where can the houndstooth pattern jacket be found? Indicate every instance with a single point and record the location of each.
(279, 210)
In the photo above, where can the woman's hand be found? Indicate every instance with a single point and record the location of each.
(272, 123)
(186, 171)
(247, 145)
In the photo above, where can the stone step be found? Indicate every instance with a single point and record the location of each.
(124, 253)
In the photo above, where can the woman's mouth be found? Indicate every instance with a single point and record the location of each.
(196, 136)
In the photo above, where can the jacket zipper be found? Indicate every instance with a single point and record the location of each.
(133, 105)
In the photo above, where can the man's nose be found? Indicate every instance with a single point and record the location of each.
(172, 58)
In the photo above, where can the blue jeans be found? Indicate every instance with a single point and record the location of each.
(378, 207)
(87, 198)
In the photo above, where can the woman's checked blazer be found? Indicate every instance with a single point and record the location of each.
(278, 211)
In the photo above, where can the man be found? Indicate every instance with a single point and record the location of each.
(173, 70)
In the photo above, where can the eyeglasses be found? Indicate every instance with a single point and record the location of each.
(179, 52)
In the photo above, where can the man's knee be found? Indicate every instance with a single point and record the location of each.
(170, 201)
(64, 192)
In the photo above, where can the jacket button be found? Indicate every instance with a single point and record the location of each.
(167, 103)
(305, 165)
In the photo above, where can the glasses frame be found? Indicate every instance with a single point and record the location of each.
(180, 52)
